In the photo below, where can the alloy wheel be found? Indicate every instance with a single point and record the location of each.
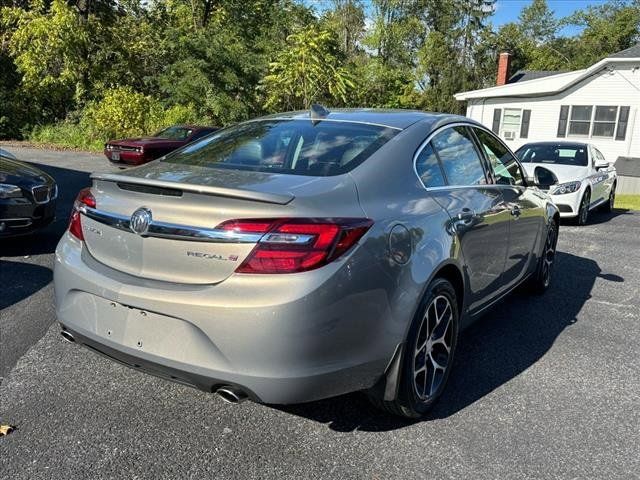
(549, 254)
(432, 352)
(612, 199)
(584, 208)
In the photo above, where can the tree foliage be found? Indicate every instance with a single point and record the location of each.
(309, 70)
(85, 70)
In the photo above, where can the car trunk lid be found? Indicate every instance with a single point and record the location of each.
(187, 204)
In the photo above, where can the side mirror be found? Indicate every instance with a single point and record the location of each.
(601, 164)
(544, 178)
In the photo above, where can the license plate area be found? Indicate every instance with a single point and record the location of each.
(115, 156)
(144, 331)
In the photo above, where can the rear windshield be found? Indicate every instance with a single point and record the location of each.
(287, 146)
(560, 154)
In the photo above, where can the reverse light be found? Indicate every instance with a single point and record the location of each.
(297, 244)
(563, 188)
(85, 197)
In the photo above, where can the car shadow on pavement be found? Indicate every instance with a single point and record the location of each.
(44, 241)
(509, 339)
(21, 280)
(596, 217)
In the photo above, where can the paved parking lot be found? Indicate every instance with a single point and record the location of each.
(544, 387)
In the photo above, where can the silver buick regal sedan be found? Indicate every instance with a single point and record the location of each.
(304, 255)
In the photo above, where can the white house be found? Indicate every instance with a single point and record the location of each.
(600, 105)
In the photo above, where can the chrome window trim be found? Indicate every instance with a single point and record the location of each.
(170, 230)
(457, 187)
(335, 120)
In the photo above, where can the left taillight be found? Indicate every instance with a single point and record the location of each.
(85, 197)
(297, 244)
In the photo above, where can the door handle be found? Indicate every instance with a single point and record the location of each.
(515, 211)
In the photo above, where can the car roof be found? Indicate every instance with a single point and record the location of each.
(399, 119)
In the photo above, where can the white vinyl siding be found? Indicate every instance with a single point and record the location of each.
(606, 89)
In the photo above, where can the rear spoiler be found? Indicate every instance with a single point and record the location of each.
(265, 197)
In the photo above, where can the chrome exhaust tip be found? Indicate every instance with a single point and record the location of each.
(231, 394)
(67, 336)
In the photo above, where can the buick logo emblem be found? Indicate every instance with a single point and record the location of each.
(140, 221)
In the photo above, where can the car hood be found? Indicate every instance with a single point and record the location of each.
(19, 173)
(565, 173)
(145, 141)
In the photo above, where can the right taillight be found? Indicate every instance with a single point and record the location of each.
(297, 244)
(85, 197)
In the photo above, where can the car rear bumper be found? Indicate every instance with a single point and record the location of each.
(281, 343)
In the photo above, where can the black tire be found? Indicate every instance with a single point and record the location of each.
(583, 211)
(540, 280)
(439, 299)
(608, 206)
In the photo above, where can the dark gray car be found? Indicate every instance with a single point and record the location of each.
(305, 255)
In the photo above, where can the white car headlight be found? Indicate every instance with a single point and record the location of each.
(9, 191)
(569, 187)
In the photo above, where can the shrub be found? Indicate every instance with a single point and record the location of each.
(122, 112)
(68, 134)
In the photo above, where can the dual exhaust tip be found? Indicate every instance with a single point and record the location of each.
(227, 393)
(67, 336)
(231, 394)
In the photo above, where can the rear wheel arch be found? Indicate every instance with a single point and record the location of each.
(451, 273)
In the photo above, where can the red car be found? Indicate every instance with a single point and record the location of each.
(136, 151)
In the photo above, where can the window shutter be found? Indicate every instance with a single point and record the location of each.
(497, 113)
(524, 126)
(623, 119)
(562, 122)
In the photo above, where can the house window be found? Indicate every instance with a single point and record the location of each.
(580, 120)
(604, 121)
(511, 119)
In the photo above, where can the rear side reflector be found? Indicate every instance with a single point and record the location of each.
(297, 244)
(85, 197)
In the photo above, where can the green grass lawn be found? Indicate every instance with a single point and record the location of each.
(630, 202)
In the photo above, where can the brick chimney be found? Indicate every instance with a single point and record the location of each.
(504, 65)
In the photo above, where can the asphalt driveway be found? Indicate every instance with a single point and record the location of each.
(544, 387)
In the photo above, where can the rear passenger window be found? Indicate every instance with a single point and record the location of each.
(428, 168)
(505, 167)
(459, 157)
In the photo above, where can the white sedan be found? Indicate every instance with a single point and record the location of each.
(584, 179)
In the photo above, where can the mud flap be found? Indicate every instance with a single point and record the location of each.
(387, 387)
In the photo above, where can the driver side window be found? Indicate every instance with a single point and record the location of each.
(504, 165)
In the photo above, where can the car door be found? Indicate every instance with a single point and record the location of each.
(526, 215)
(479, 218)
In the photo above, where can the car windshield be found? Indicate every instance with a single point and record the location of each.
(299, 147)
(559, 154)
(174, 133)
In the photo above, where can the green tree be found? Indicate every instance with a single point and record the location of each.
(347, 21)
(537, 22)
(309, 70)
(48, 47)
(608, 28)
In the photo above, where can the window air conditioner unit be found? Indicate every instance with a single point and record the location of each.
(509, 135)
